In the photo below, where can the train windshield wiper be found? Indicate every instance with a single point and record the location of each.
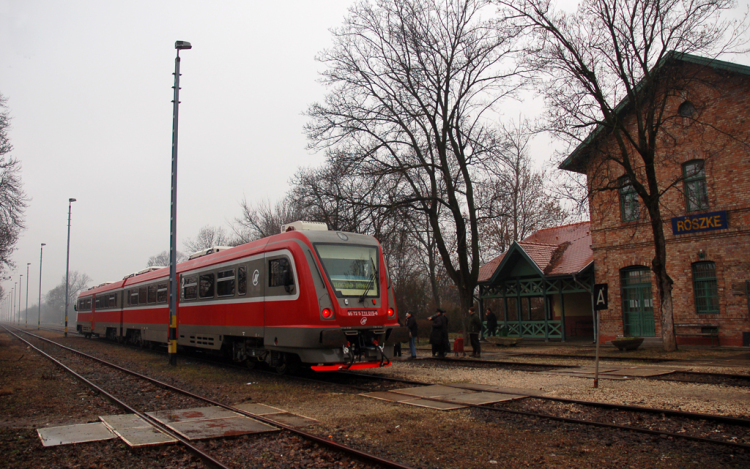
(369, 284)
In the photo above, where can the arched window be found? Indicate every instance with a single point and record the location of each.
(629, 208)
(696, 195)
(705, 288)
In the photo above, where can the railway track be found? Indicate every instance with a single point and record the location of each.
(726, 379)
(178, 398)
(727, 431)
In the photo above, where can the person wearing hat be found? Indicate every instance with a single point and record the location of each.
(411, 324)
(475, 327)
(439, 325)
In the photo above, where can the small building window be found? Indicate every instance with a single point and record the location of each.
(705, 288)
(161, 293)
(225, 283)
(189, 288)
(206, 286)
(630, 210)
(696, 195)
(242, 280)
(152, 293)
(133, 298)
(280, 273)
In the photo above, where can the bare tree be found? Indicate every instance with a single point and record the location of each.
(411, 85)
(55, 298)
(609, 73)
(518, 200)
(13, 200)
(208, 237)
(162, 259)
(263, 219)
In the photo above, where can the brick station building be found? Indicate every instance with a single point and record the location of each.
(704, 171)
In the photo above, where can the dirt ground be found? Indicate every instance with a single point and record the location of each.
(35, 393)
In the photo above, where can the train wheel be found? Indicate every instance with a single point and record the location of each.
(251, 363)
(290, 364)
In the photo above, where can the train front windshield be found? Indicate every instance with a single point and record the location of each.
(352, 270)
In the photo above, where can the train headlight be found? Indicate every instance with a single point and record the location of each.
(327, 313)
(390, 312)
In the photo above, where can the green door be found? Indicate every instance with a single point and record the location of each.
(637, 302)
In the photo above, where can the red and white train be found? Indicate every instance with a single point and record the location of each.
(306, 296)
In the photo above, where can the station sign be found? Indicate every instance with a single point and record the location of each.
(601, 296)
(700, 222)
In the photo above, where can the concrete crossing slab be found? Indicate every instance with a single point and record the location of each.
(72, 434)
(135, 431)
(436, 390)
(219, 428)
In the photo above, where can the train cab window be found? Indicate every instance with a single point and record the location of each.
(142, 293)
(152, 294)
(206, 286)
(280, 274)
(225, 283)
(241, 280)
(133, 297)
(161, 293)
(112, 301)
(189, 288)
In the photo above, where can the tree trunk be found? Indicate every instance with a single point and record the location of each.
(663, 282)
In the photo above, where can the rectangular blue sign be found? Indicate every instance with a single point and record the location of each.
(700, 222)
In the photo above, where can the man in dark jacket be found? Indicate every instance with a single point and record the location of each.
(411, 324)
(491, 322)
(475, 327)
(439, 329)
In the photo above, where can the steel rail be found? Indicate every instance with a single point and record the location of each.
(490, 363)
(320, 440)
(206, 458)
(675, 413)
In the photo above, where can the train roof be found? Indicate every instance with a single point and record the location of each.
(238, 252)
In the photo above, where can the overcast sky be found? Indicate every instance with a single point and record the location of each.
(88, 86)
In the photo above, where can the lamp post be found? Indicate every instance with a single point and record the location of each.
(67, 268)
(39, 317)
(178, 45)
(20, 290)
(27, 294)
(13, 301)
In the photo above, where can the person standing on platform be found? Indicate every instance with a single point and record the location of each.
(475, 327)
(436, 335)
(411, 324)
(491, 322)
(446, 339)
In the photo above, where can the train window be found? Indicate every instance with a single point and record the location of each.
(242, 280)
(280, 273)
(98, 303)
(142, 296)
(88, 304)
(112, 301)
(352, 270)
(133, 297)
(152, 293)
(206, 286)
(161, 293)
(225, 283)
(189, 288)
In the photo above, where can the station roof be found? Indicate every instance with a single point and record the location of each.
(557, 251)
(576, 161)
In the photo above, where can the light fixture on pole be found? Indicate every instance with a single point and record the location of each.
(39, 317)
(172, 337)
(67, 268)
(13, 301)
(27, 293)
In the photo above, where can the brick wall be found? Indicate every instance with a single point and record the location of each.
(722, 99)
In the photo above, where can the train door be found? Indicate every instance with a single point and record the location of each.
(255, 274)
(280, 287)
